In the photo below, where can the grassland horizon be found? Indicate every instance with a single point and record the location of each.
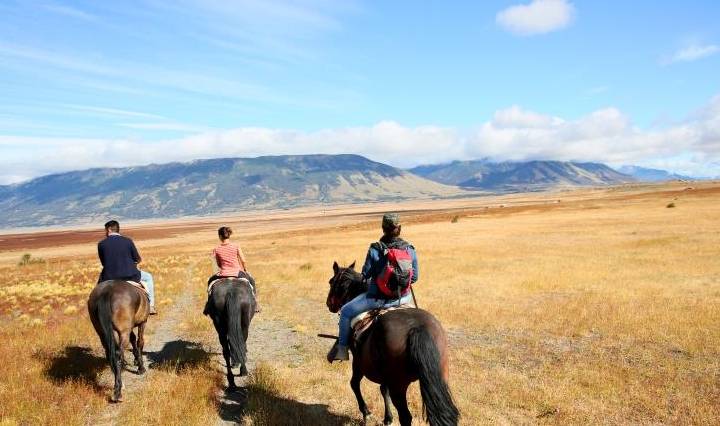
(591, 306)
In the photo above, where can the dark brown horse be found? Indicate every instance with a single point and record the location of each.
(116, 308)
(401, 346)
(231, 306)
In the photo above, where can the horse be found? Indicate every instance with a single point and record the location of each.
(231, 306)
(116, 307)
(402, 346)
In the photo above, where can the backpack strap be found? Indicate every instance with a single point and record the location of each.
(379, 246)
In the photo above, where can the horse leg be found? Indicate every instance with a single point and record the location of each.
(117, 369)
(124, 341)
(388, 419)
(247, 317)
(398, 394)
(355, 385)
(133, 343)
(140, 346)
(226, 355)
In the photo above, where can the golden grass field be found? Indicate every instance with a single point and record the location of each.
(596, 306)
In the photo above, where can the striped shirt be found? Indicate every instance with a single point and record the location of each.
(227, 257)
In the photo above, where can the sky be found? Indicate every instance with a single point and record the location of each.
(117, 83)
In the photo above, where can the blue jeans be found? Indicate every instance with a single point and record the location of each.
(361, 304)
(147, 279)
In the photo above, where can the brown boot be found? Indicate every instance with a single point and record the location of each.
(338, 353)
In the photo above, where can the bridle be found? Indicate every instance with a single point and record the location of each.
(336, 279)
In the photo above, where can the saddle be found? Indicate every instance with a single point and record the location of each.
(140, 286)
(362, 323)
(233, 279)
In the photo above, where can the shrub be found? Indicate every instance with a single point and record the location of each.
(27, 259)
(455, 219)
(671, 205)
(306, 266)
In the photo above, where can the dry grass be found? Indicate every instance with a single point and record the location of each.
(592, 311)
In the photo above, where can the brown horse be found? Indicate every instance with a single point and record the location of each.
(116, 308)
(401, 347)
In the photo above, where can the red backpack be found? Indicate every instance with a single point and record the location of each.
(396, 276)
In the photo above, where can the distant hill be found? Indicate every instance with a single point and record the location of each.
(520, 176)
(651, 175)
(206, 187)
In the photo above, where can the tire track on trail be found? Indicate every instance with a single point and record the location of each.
(166, 329)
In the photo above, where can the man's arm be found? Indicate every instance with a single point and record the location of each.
(369, 261)
(101, 254)
(134, 253)
(416, 271)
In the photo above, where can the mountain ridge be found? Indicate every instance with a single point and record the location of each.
(521, 175)
(208, 187)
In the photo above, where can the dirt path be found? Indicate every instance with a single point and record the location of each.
(269, 341)
(163, 328)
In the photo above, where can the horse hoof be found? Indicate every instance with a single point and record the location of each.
(387, 422)
(141, 370)
(243, 371)
(367, 418)
(116, 399)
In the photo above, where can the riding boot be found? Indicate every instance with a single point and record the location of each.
(338, 353)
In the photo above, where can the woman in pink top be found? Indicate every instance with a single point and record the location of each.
(228, 257)
(230, 262)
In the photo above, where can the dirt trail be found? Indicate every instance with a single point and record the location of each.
(161, 330)
(269, 341)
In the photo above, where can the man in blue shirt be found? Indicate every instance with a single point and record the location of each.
(119, 259)
(373, 298)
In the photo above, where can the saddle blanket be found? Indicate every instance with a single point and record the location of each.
(212, 283)
(361, 323)
(140, 286)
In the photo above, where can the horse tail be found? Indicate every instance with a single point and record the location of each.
(236, 339)
(438, 406)
(104, 313)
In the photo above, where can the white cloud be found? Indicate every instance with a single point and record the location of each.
(606, 135)
(693, 53)
(537, 17)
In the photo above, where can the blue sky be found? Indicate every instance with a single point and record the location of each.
(87, 84)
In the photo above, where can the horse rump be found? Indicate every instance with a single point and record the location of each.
(438, 406)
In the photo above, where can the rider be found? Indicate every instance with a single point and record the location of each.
(119, 259)
(229, 262)
(372, 299)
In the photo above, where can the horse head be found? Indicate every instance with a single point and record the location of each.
(345, 284)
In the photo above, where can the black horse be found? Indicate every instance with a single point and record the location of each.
(400, 347)
(231, 306)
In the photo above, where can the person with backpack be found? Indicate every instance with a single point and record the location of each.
(390, 268)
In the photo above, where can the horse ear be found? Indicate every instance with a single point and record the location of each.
(336, 268)
(352, 266)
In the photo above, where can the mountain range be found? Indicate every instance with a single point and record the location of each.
(521, 176)
(231, 185)
(651, 175)
(205, 187)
